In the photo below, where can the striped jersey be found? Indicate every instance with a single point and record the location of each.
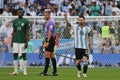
(81, 36)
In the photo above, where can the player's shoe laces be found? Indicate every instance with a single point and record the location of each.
(84, 75)
(78, 74)
(43, 74)
(20, 70)
(53, 74)
(14, 73)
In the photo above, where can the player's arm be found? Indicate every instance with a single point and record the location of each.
(66, 19)
(49, 35)
(27, 35)
(48, 39)
(13, 34)
(90, 41)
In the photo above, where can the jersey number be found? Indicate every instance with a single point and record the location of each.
(18, 28)
(81, 32)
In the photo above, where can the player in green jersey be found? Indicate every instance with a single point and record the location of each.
(20, 38)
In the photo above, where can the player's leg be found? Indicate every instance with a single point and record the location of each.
(47, 61)
(85, 60)
(53, 59)
(21, 63)
(24, 62)
(15, 55)
(52, 56)
(78, 60)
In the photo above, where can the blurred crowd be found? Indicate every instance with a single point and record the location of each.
(58, 7)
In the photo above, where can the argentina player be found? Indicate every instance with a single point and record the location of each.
(83, 42)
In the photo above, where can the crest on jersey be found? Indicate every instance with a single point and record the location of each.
(22, 24)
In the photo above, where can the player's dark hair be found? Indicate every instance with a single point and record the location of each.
(81, 16)
(20, 9)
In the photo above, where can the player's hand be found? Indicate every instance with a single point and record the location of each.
(46, 44)
(26, 45)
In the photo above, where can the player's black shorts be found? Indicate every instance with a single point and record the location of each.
(79, 53)
(51, 45)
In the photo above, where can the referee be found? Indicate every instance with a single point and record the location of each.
(49, 44)
(83, 42)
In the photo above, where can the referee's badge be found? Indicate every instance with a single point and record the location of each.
(45, 29)
(51, 26)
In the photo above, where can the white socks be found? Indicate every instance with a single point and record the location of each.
(16, 66)
(21, 64)
(24, 67)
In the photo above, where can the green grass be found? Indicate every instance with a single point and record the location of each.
(63, 74)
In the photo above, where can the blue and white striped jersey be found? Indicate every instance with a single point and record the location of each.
(81, 36)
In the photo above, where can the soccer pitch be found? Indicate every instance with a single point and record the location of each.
(63, 74)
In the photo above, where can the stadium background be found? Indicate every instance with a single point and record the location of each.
(106, 43)
(105, 24)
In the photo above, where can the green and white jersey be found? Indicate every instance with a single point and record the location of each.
(20, 26)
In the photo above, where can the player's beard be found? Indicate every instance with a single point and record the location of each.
(81, 23)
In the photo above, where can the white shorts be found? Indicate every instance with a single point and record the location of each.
(18, 48)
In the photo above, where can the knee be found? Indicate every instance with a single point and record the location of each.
(77, 61)
(47, 55)
(15, 56)
(24, 56)
(85, 59)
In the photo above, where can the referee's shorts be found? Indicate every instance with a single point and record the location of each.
(51, 45)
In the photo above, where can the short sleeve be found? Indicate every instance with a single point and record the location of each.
(89, 29)
(51, 25)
